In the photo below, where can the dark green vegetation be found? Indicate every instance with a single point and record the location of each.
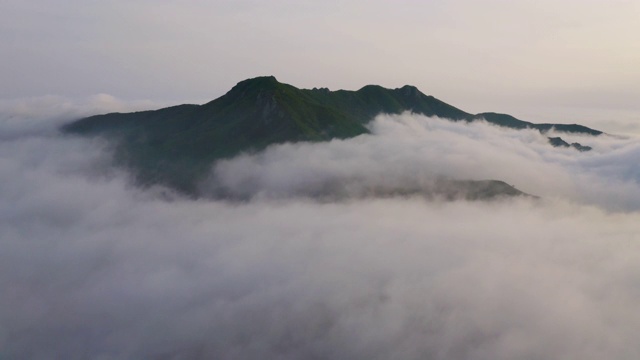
(450, 189)
(558, 142)
(176, 146)
(511, 122)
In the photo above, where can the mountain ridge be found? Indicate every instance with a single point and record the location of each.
(176, 145)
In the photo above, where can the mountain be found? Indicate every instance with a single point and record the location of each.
(175, 146)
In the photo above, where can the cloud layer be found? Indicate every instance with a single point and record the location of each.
(92, 267)
(410, 151)
(35, 115)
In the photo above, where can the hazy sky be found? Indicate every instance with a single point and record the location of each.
(92, 267)
(541, 60)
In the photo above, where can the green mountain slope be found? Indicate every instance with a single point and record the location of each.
(511, 122)
(175, 146)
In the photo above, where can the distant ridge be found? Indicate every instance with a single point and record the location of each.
(175, 146)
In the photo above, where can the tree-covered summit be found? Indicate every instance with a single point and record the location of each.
(175, 146)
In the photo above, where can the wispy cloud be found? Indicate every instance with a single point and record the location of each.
(46, 113)
(92, 267)
(410, 151)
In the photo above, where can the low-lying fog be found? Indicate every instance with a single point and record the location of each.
(92, 267)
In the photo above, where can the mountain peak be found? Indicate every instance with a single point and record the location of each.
(410, 91)
(176, 146)
(252, 89)
(257, 82)
(269, 79)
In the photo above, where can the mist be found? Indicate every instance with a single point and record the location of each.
(93, 267)
(411, 151)
(35, 115)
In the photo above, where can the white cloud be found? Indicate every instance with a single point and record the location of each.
(91, 267)
(19, 117)
(409, 151)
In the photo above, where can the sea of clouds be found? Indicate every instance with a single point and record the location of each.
(93, 267)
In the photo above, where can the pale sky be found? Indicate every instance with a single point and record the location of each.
(542, 60)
